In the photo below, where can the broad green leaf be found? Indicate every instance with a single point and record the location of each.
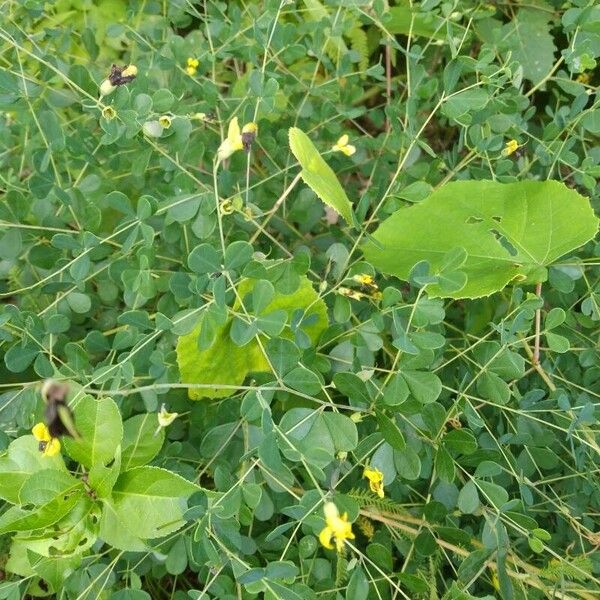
(141, 440)
(224, 363)
(510, 232)
(150, 502)
(530, 43)
(101, 429)
(318, 175)
(102, 478)
(43, 486)
(17, 519)
(23, 459)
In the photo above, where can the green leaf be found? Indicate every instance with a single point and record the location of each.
(150, 502)
(406, 20)
(468, 498)
(99, 425)
(318, 175)
(141, 440)
(303, 380)
(509, 232)
(43, 486)
(224, 363)
(528, 38)
(423, 385)
(390, 431)
(17, 519)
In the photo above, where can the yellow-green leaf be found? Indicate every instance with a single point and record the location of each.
(224, 365)
(318, 175)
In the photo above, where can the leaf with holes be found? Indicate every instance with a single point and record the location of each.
(510, 232)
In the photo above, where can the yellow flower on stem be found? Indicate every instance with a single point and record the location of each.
(129, 71)
(237, 139)
(375, 477)
(109, 113)
(48, 445)
(165, 121)
(344, 147)
(336, 528)
(510, 147)
(583, 78)
(366, 280)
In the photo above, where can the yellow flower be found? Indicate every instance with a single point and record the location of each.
(109, 113)
(191, 66)
(129, 71)
(166, 418)
(232, 142)
(344, 147)
(165, 121)
(365, 279)
(583, 78)
(249, 132)
(511, 147)
(48, 445)
(336, 527)
(375, 477)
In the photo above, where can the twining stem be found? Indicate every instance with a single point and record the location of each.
(538, 320)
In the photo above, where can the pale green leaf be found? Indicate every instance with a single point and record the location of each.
(99, 425)
(150, 502)
(224, 363)
(142, 440)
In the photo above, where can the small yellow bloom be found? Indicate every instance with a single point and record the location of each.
(583, 78)
(109, 113)
(48, 445)
(510, 148)
(232, 142)
(191, 66)
(350, 293)
(375, 477)
(376, 295)
(166, 418)
(249, 133)
(200, 116)
(344, 147)
(165, 121)
(365, 279)
(336, 527)
(129, 71)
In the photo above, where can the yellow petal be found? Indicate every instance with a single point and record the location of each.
(325, 538)
(41, 433)
(233, 133)
(349, 149)
(343, 140)
(130, 71)
(52, 447)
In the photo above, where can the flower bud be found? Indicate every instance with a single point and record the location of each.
(106, 88)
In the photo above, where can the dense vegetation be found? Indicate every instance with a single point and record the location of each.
(314, 290)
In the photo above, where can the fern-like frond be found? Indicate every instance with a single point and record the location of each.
(577, 568)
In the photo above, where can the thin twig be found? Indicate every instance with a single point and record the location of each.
(538, 320)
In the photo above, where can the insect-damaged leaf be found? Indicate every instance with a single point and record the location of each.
(510, 232)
